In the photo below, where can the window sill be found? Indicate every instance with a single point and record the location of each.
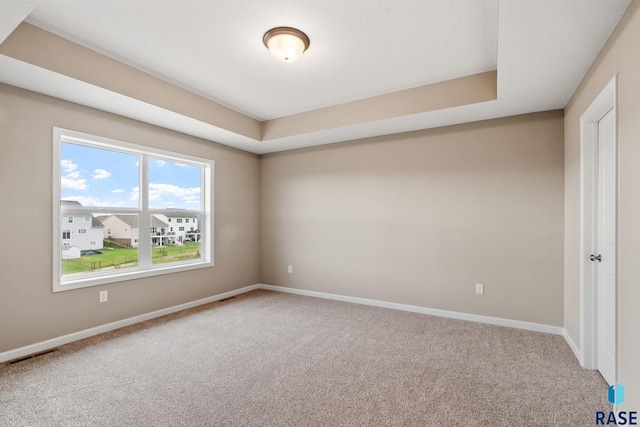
(88, 280)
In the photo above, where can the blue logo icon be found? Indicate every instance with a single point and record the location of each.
(616, 394)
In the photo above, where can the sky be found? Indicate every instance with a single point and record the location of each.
(97, 177)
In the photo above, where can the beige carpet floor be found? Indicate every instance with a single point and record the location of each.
(273, 359)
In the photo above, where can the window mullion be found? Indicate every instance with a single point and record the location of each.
(206, 180)
(144, 247)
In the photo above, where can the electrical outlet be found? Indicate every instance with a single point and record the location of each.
(104, 296)
(290, 269)
(479, 288)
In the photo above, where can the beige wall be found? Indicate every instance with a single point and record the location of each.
(29, 311)
(619, 56)
(419, 218)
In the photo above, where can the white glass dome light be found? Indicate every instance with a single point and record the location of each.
(286, 43)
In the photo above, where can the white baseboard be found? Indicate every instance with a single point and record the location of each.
(573, 346)
(518, 324)
(75, 336)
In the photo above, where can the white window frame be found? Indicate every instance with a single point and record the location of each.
(145, 267)
(82, 231)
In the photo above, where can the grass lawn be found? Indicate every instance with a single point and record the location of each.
(174, 253)
(128, 257)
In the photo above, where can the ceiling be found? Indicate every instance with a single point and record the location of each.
(373, 67)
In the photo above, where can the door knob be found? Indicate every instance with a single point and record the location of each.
(596, 258)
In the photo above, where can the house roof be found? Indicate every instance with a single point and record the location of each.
(179, 215)
(157, 222)
(94, 221)
(133, 220)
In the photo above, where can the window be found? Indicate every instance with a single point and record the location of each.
(179, 220)
(124, 189)
(180, 228)
(186, 220)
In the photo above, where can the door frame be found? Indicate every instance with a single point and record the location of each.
(606, 101)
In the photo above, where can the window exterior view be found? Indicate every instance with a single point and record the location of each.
(124, 208)
(81, 234)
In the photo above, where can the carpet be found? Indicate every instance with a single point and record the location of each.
(274, 359)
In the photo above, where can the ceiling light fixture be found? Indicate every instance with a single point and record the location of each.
(286, 43)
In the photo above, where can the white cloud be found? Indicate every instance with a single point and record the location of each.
(77, 184)
(72, 178)
(91, 201)
(160, 163)
(68, 166)
(191, 199)
(118, 190)
(135, 193)
(173, 190)
(158, 191)
(101, 174)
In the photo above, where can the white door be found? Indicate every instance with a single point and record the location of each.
(606, 243)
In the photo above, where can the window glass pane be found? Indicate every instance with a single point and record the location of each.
(174, 185)
(110, 244)
(102, 204)
(98, 177)
(175, 244)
